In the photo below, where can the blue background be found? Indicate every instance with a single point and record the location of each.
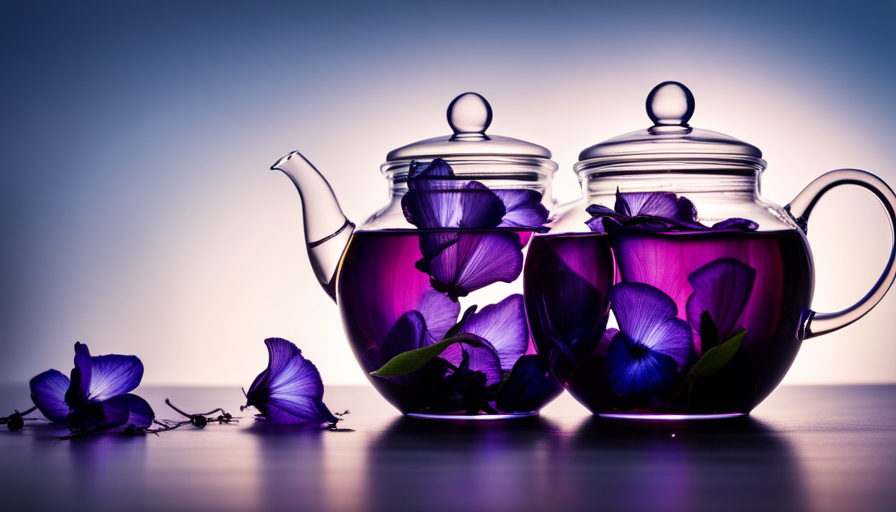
(138, 216)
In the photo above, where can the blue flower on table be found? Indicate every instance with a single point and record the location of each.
(290, 390)
(646, 356)
(97, 397)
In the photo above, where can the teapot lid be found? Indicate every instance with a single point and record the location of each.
(469, 115)
(670, 106)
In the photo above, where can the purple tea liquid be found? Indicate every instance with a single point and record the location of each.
(381, 280)
(567, 284)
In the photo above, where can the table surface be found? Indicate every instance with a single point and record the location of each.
(804, 448)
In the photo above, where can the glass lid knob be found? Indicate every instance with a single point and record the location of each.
(670, 104)
(469, 116)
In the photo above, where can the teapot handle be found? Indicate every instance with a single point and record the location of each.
(815, 324)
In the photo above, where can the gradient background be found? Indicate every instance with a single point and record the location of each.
(137, 213)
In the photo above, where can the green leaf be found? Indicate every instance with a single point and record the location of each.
(412, 360)
(717, 357)
(709, 334)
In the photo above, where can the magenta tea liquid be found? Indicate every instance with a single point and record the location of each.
(404, 292)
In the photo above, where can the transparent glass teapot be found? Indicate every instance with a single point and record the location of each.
(428, 285)
(710, 284)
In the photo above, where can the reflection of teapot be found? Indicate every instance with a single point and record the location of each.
(714, 283)
(454, 231)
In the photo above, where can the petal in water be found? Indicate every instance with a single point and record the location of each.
(504, 326)
(636, 370)
(738, 224)
(48, 394)
(647, 316)
(481, 359)
(721, 288)
(439, 312)
(529, 386)
(290, 389)
(524, 208)
(470, 261)
(572, 314)
(409, 333)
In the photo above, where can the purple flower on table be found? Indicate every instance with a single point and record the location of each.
(290, 390)
(659, 211)
(97, 397)
(721, 290)
(652, 347)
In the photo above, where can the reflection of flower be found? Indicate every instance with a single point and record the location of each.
(721, 288)
(97, 397)
(644, 357)
(660, 211)
(290, 389)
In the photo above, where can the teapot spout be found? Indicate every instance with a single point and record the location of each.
(327, 230)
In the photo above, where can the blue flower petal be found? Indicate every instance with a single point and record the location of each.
(48, 394)
(436, 200)
(529, 386)
(439, 312)
(482, 359)
(504, 326)
(471, 261)
(657, 204)
(523, 207)
(291, 385)
(647, 316)
(721, 287)
(99, 378)
(636, 370)
(126, 410)
(407, 334)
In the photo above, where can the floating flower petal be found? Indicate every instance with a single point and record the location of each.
(466, 262)
(504, 326)
(290, 390)
(721, 288)
(644, 358)
(435, 199)
(658, 204)
(48, 394)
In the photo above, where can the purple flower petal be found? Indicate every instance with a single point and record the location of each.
(647, 317)
(290, 389)
(99, 378)
(722, 288)
(439, 312)
(523, 207)
(658, 204)
(407, 334)
(735, 223)
(571, 313)
(482, 359)
(126, 410)
(436, 200)
(504, 326)
(529, 386)
(48, 394)
(634, 369)
(472, 261)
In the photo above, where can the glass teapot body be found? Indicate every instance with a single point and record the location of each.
(673, 289)
(429, 285)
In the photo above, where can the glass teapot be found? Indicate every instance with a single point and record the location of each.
(428, 285)
(710, 284)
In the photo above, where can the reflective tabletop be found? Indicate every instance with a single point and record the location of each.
(804, 448)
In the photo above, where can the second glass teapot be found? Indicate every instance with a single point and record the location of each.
(710, 283)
